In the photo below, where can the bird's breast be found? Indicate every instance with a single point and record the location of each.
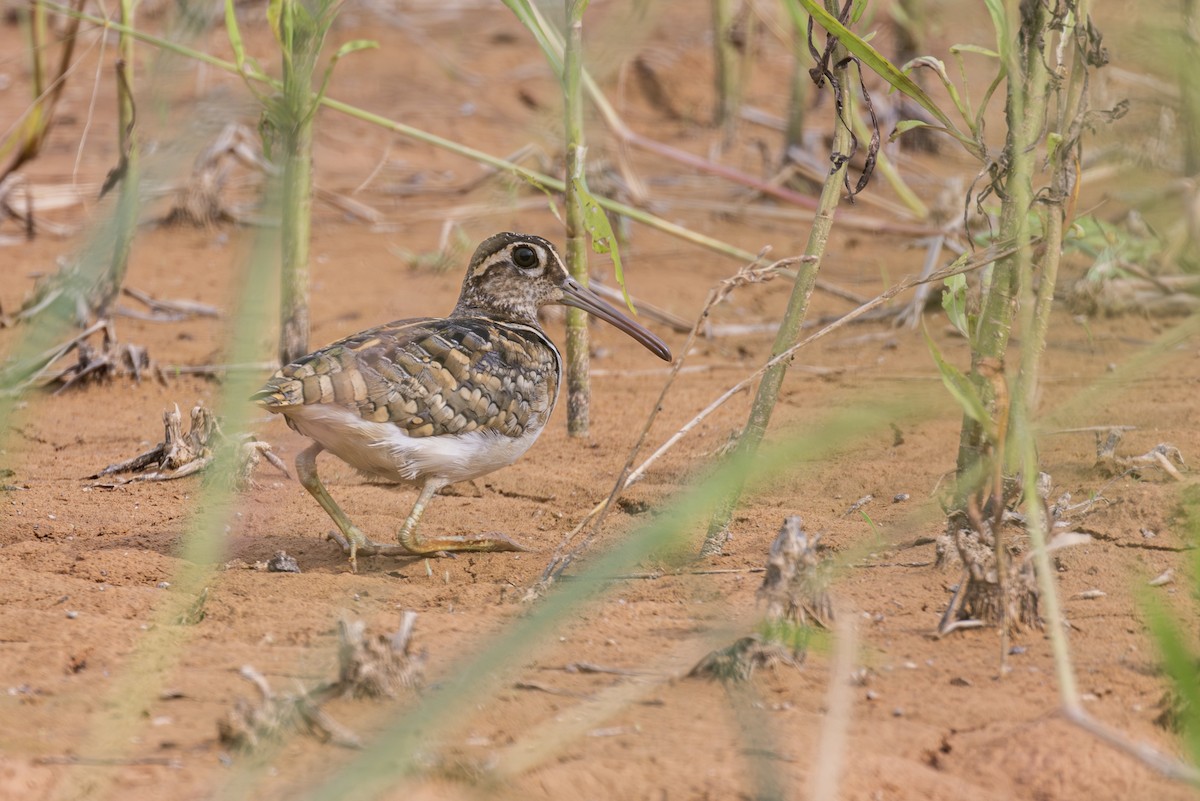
(387, 451)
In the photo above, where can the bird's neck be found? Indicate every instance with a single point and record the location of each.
(499, 311)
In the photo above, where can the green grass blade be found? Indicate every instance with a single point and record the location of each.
(961, 388)
(604, 240)
(1180, 664)
(234, 34)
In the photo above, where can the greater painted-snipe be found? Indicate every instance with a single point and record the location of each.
(432, 401)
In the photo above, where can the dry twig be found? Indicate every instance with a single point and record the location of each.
(752, 273)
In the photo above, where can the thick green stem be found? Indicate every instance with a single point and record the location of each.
(1189, 87)
(727, 64)
(300, 47)
(128, 202)
(416, 134)
(1065, 129)
(578, 392)
(789, 329)
(1025, 111)
(798, 99)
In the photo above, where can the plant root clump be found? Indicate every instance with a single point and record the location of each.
(983, 596)
(738, 662)
(180, 455)
(199, 202)
(795, 590)
(378, 666)
(111, 360)
(795, 587)
(250, 725)
(1164, 456)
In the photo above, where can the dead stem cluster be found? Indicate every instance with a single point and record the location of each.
(180, 455)
(379, 666)
(795, 591)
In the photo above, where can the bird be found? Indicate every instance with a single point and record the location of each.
(432, 401)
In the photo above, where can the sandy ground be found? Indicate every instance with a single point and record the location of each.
(104, 697)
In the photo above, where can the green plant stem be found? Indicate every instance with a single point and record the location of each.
(798, 99)
(128, 200)
(532, 176)
(578, 392)
(1189, 87)
(790, 327)
(1025, 112)
(727, 68)
(550, 41)
(26, 136)
(395, 753)
(300, 41)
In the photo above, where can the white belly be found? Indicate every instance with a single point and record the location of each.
(387, 451)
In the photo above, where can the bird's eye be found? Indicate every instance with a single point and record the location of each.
(524, 257)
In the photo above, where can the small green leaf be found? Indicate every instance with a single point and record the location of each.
(970, 48)
(1000, 24)
(1054, 140)
(954, 301)
(907, 125)
(1180, 665)
(603, 239)
(353, 46)
(962, 390)
(879, 64)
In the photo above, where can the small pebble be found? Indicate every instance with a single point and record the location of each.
(898, 712)
(72, 614)
(1016, 650)
(900, 497)
(162, 585)
(959, 681)
(282, 563)
(1166, 577)
(872, 695)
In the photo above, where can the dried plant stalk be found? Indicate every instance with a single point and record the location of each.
(378, 666)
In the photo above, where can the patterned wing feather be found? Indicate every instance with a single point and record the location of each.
(429, 376)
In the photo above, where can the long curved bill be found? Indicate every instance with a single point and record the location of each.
(575, 294)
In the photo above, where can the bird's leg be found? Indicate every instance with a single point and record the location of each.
(353, 540)
(451, 542)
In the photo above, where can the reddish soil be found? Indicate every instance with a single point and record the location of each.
(106, 698)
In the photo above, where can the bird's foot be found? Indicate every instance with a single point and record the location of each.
(352, 547)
